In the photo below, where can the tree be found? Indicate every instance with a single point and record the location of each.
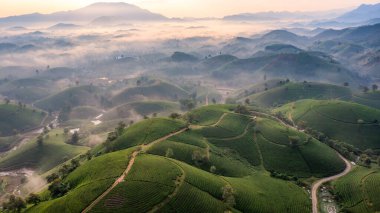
(247, 101)
(169, 153)
(58, 188)
(175, 115)
(242, 110)
(213, 101)
(228, 195)
(14, 204)
(33, 199)
(375, 87)
(346, 84)
(52, 177)
(213, 169)
(120, 128)
(7, 101)
(155, 115)
(365, 89)
(66, 131)
(294, 141)
(40, 140)
(367, 161)
(74, 138)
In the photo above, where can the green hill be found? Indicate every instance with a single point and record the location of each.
(84, 112)
(41, 158)
(371, 99)
(158, 91)
(143, 108)
(27, 90)
(301, 66)
(358, 191)
(289, 92)
(15, 119)
(220, 161)
(77, 96)
(351, 123)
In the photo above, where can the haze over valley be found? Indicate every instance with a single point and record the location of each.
(112, 107)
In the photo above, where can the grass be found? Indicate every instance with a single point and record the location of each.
(158, 91)
(53, 152)
(351, 123)
(147, 131)
(6, 143)
(209, 115)
(87, 95)
(143, 108)
(295, 91)
(244, 146)
(358, 191)
(259, 193)
(87, 182)
(14, 119)
(309, 158)
(231, 125)
(84, 112)
(371, 99)
(144, 187)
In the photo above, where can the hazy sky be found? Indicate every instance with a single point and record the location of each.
(183, 8)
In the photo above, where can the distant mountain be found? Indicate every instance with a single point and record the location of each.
(363, 13)
(124, 11)
(283, 15)
(365, 35)
(64, 26)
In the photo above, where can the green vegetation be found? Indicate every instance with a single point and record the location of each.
(351, 123)
(358, 192)
(371, 99)
(145, 132)
(84, 112)
(143, 108)
(87, 182)
(289, 92)
(72, 97)
(158, 91)
(209, 115)
(17, 118)
(52, 151)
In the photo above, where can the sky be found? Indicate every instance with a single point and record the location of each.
(183, 8)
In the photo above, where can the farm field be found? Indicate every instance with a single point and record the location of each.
(358, 191)
(351, 123)
(16, 119)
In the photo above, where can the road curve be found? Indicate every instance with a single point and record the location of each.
(317, 184)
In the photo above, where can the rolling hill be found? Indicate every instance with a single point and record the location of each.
(347, 122)
(42, 158)
(87, 95)
(15, 119)
(199, 163)
(309, 66)
(27, 90)
(371, 99)
(141, 109)
(158, 91)
(358, 190)
(289, 92)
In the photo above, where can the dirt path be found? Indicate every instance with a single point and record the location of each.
(206, 100)
(144, 147)
(317, 184)
(119, 180)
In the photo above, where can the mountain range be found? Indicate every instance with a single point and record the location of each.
(119, 11)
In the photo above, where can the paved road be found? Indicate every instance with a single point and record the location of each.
(317, 184)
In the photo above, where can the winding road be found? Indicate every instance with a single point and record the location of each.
(317, 184)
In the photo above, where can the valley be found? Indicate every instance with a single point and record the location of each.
(115, 108)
